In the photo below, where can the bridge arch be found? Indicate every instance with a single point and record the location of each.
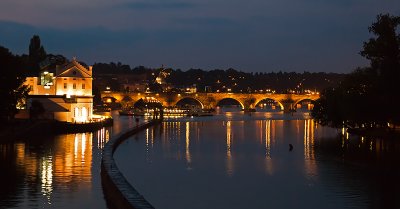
(127, 102)
(189, 101)
(269, 100)
(307, 101)
(218, 103)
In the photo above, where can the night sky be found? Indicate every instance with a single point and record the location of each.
(247, 35)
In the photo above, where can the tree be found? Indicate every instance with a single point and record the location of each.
(12, 90)
(96, 96)
(367, 97)
(383, 51)
(36, 53)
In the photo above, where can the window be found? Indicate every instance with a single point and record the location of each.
(84, 113)
(46, 78)
(74, 86)
(83, 86)
(65, 85)
(76, 112)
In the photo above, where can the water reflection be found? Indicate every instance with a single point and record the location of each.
(229, 161)
(269, 166)
(41, 172)
(47, 178)
(187, 147)
(218, 158)
(64, 165)
(268, 139)
(310, 164)
(103, 135)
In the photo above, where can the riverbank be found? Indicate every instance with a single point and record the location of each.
(375, 132)
(22, 128)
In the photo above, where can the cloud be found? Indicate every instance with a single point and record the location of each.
(246, 48)
(156, 5)
(252, 35)
(204, 21)
(16, 36)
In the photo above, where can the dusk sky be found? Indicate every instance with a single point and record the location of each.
(247, 35)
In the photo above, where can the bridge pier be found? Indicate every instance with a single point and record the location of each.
(288, 107)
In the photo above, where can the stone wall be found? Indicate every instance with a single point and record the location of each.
(117, 190)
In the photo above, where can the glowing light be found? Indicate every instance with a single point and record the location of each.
(268, 139)
(229, 163)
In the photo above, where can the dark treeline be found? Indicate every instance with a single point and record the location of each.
(237, 81)
(367, 98)
(230, 79)
(14, 70)
(117, 68)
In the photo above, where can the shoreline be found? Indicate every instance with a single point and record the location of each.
(18, 129)
(377, 132)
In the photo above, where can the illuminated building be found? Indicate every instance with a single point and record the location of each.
(64, 92)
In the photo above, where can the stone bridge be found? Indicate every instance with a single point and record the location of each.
(287, 102)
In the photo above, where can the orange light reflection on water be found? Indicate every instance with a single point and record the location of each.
(310, 164)
(66, 165)
(229, 161)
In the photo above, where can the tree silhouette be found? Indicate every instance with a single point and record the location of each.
(11, 79)
(383, 51)
(36, 53)
(367, 97)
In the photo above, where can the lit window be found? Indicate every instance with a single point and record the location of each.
(76, 112)
(74, 86)
(83, 86)
(65, 85)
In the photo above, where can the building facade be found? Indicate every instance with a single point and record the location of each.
(64, 92)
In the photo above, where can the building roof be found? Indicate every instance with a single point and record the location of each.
(74, 69)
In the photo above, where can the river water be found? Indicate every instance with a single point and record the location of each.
(231, 160)
(56, 172)
(242, 160)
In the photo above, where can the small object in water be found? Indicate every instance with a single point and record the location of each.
(290, 147)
